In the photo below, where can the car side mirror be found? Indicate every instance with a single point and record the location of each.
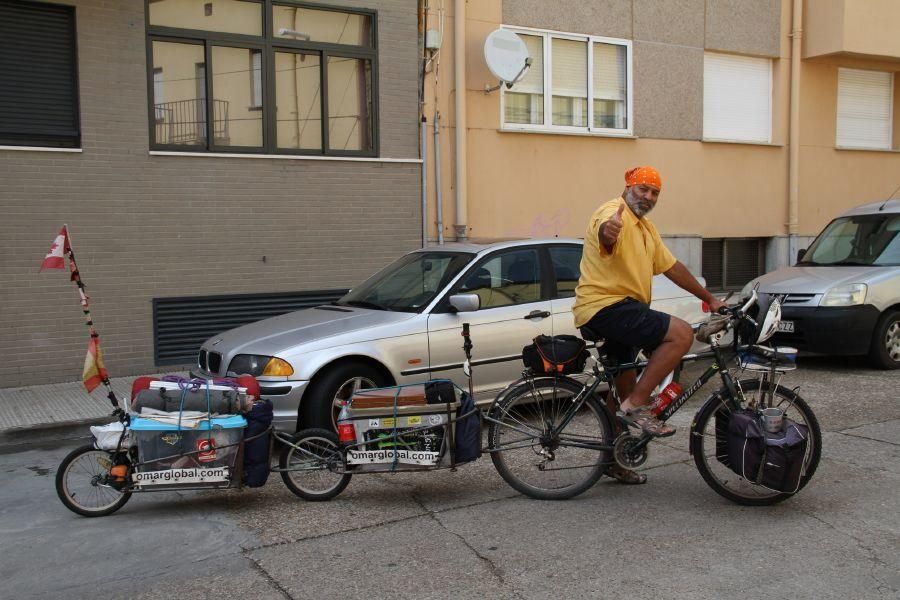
(800, 254)
(465, 302)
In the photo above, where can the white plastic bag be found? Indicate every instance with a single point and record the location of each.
(107, 436)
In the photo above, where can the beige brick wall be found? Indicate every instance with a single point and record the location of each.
(158, 226)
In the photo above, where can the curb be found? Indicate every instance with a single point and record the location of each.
(50, 432)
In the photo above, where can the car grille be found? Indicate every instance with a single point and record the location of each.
(790, 299)
(210, 362)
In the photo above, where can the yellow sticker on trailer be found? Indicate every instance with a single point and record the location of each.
(417, 420)
(387, 422)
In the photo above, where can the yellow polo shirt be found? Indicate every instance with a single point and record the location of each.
(628, 271)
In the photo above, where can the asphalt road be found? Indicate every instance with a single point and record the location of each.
(466, 534)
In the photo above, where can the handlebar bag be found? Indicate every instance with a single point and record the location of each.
(559, 354)
(770, 460)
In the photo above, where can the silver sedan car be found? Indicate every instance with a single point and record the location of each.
(399, 327)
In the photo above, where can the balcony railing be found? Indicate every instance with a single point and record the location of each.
(183, 122)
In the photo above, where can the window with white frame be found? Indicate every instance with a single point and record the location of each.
(864, 109)
(737, 98)
(576, 83)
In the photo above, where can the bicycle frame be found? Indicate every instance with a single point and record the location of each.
(608, 374)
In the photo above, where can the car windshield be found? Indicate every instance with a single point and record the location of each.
(860, 240)
(408, 284)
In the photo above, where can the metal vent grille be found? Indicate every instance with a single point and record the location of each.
(180, 325)
(729, 263)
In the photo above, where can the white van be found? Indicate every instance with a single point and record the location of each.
(843, 295)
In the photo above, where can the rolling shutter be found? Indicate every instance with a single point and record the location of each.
(737, 98)
(730, 263)
(864, 109)
(38, 84)
(181, 325)
(569, 72)
(533, 81)
(609, 71)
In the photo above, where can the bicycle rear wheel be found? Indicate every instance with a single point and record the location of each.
(83, 483)
(537, 463)
(721, 478)
(313, 467)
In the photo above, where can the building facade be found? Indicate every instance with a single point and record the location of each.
(700, 89)
(215, 161)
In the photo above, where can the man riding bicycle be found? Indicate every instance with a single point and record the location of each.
(622, 253)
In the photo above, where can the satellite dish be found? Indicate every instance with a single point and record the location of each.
(506, 56)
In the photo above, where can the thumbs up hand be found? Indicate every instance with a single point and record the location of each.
(609, 231)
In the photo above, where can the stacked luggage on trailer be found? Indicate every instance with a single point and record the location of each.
(188, 434)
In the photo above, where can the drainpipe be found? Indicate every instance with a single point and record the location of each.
(459, 59)
(423, 122)
(439, 202)
(423, 145)
(794, 150)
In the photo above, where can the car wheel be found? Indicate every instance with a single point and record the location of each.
(885, 351)
(322, 403)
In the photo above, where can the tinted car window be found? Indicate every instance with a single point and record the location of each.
(505, 279)
(567, 267)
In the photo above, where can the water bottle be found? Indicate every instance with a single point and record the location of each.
(665, 398)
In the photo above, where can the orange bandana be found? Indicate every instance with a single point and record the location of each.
(643, 175)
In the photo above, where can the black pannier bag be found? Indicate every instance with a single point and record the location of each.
(467, 438)
(771, 460)
(256, 451)
(440, 391)
(559, 354)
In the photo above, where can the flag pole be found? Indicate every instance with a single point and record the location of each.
(89, 321)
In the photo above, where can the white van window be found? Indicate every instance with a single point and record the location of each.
(857, 240)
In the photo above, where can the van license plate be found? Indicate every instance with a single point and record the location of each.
(786, 326)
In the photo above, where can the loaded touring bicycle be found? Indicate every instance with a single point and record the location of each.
(549, 436)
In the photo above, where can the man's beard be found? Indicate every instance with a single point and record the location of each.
(638, 206)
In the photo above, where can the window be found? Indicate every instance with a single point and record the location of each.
(38, 76)
(864, 109)
(728, 264)
(567, 268)
(223, 82)
(737, 98)
(509, 278)
(576, 83)
(860, 240)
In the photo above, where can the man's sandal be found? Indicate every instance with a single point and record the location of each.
(643, 418)
(626, 476)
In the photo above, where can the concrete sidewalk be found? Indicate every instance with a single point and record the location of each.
(40, 409)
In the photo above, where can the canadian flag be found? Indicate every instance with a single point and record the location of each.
(55, 259)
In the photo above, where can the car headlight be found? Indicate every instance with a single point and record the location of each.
(845, 295)
(256, 365)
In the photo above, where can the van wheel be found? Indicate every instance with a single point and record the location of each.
(885, 350)
(322, 403)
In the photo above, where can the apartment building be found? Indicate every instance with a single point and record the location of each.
(216, 161)
(700, 89)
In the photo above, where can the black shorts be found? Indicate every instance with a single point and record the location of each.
(627, 326)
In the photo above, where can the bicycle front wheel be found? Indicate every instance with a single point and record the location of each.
(83, 483)
(704, 437)
(532, 456)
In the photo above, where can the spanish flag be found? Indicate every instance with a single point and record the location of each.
(94, 371)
